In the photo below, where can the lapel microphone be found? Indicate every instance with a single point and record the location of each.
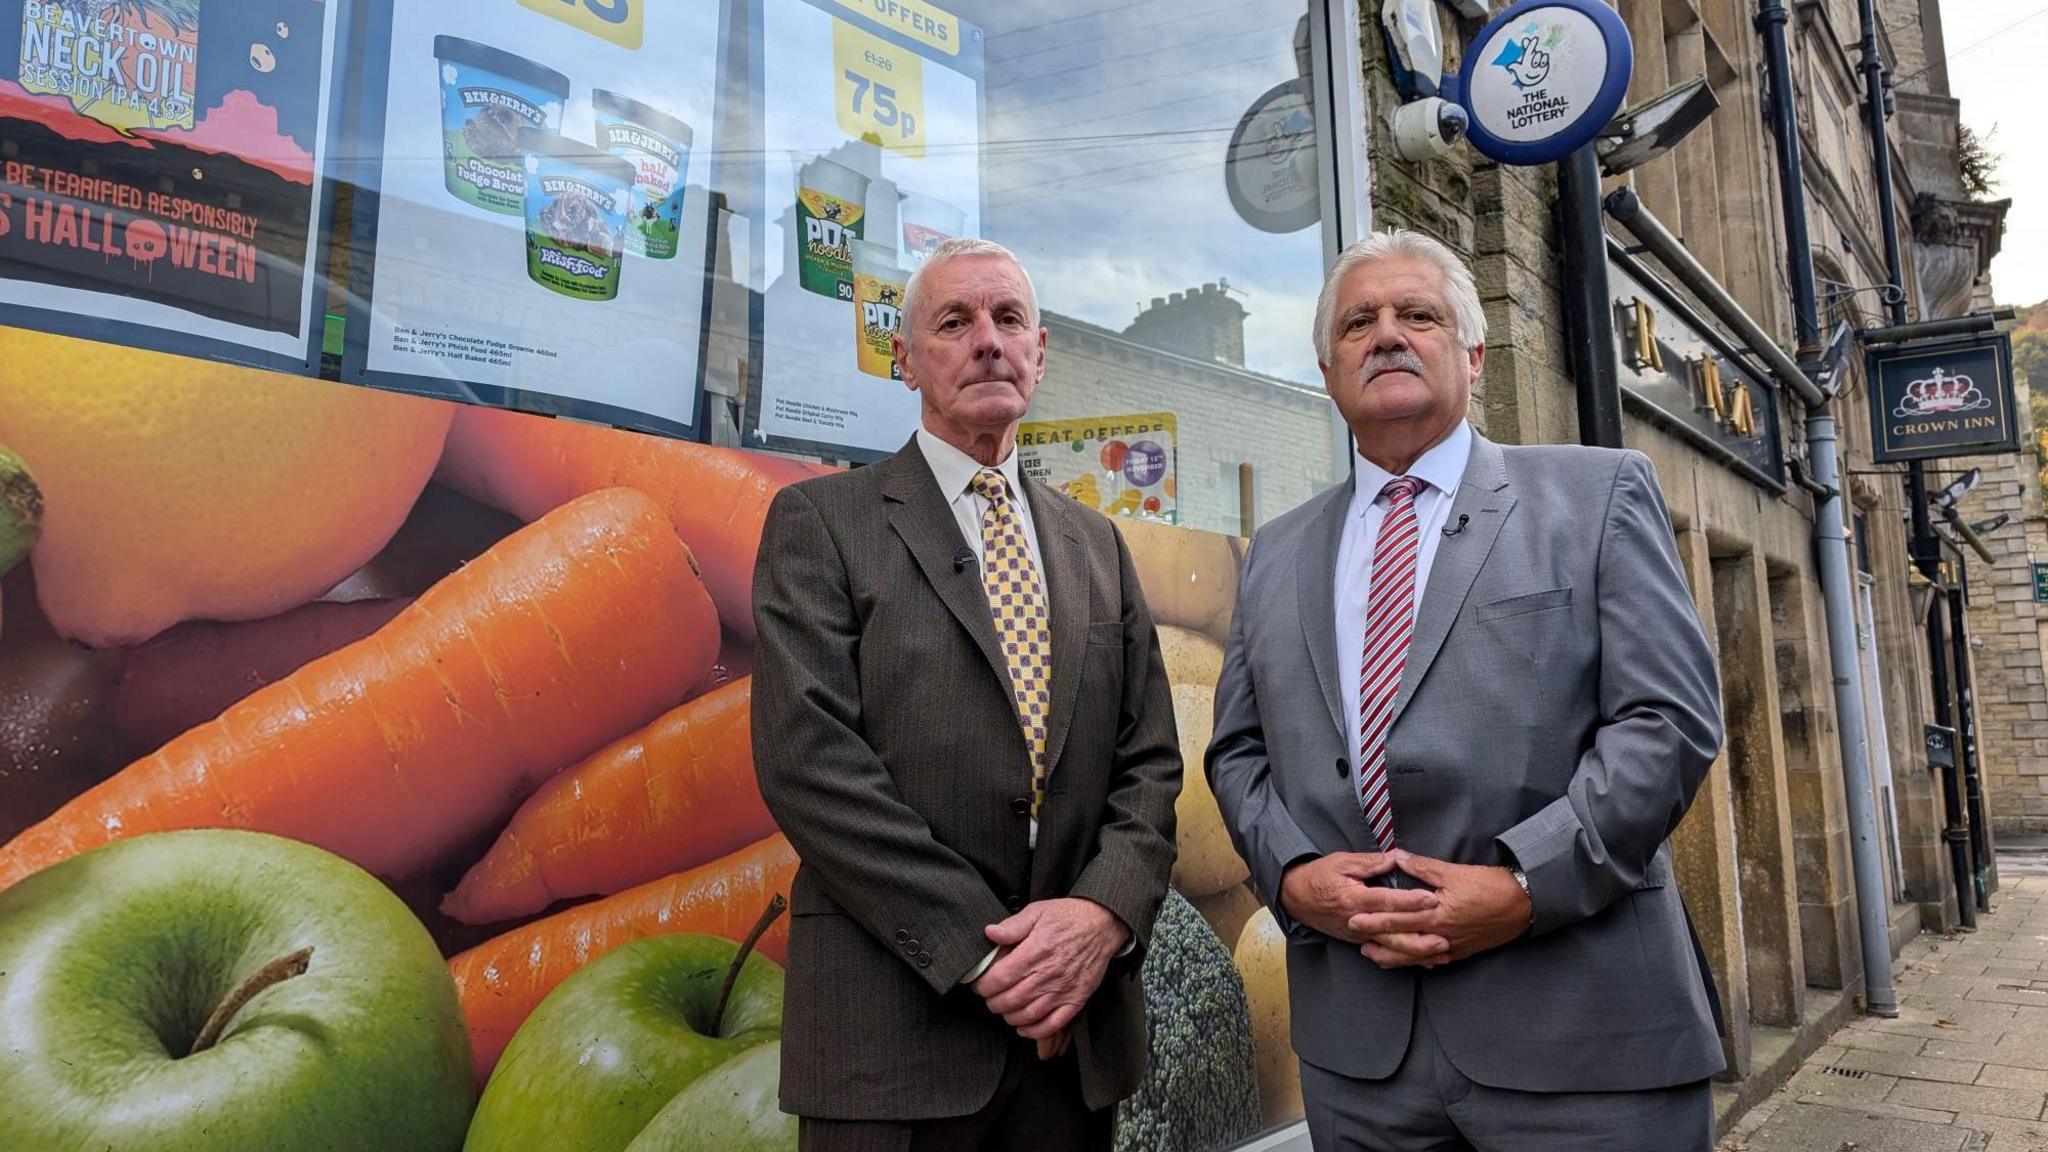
(962, 559)
(1459, 527)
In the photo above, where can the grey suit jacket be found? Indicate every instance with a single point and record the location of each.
(889, 752)
(1558, 710)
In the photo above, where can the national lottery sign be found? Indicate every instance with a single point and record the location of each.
(1543, 78)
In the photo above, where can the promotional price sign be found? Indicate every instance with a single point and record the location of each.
(869, 115)
(1119, 465)
(537, 222)
(160, 172)
(1938, 398)
(1544, 77)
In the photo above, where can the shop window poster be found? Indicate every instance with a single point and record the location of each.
(534, 227)
(160, 171)
(869, 120)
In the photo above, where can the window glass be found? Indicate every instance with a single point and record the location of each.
(1154, 165)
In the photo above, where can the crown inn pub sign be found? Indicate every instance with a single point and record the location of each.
(1936, 398)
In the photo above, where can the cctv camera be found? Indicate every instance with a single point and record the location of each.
(1426, 129)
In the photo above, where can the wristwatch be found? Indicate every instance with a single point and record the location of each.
(1522, 878)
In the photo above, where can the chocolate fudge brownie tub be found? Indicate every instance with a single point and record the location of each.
(657, 145)
(488, 97)
(577, 199)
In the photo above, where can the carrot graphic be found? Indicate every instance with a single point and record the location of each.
(503, 980)
(673, 795)
(717, 498)
(571, 630)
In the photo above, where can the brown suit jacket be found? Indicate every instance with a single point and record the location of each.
(889, 752)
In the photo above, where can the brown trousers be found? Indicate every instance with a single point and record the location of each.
(1037, 1108)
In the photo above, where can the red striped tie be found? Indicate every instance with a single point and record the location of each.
(1389, 621)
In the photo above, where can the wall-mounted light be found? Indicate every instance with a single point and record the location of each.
(1654, 127)
(1958, 488)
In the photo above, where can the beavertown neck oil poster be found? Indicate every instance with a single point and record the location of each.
(159, 170)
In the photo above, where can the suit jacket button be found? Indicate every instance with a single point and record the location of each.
(924, 959)
(902, 936)
(1021, 806)
(910, 946)
(1014, 903)
(1343, 768)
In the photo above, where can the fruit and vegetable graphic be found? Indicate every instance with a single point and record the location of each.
(458, 699)
(178, 489)
(620, 1041)
(218, 991)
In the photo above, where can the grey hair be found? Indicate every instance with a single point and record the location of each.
(1467, 315)
(953, 249)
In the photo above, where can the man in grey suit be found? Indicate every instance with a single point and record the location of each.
(1465, 699)
(962, 722)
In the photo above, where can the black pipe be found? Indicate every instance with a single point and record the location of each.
(1925, 545)
(1872, 67)
(1947, 326)
(1927, 553)
(1966, 728)
(1771, 17)
(1588, 307)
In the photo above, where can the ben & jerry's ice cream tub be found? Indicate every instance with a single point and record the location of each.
(576, 204)
(657, 145)
(488, 97)
(877, 307)
(830, 200)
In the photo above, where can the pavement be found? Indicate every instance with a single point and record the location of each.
(1964, 1067)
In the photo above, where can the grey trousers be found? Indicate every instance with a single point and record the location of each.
(1427, 1105)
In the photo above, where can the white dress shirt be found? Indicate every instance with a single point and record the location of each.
(1439, 469)
(955, 471)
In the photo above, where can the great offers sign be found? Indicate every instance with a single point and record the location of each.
(1544, 77)
(1936, 398)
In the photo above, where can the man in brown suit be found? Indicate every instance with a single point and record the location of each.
(962, 722)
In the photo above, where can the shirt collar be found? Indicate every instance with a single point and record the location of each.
(1442, 467)
(955, 470)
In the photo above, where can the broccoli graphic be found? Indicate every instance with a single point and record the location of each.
(1202, 1089)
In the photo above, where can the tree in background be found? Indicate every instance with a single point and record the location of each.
(2030, 367)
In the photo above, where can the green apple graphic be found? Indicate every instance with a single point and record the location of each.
(222, 991)
(732, 1107)
(611, 1047)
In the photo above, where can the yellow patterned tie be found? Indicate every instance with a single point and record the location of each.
(1017, 601)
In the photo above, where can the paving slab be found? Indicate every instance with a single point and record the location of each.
(1967, 1098)
(1963, 1068)
(1817, 1128)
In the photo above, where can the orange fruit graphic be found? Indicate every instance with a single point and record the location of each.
(177, 488)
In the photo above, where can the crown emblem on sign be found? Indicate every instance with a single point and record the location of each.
(1941, 392)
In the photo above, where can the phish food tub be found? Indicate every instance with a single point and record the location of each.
(657, 145)
(577, 199)
(488, 98)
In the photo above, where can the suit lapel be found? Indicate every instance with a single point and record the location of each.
(1485, 499)
(920, 515)
(1315, 592)
(1065, 573)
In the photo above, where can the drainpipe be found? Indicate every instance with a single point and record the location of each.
(1926, 547)
(1831, 545)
